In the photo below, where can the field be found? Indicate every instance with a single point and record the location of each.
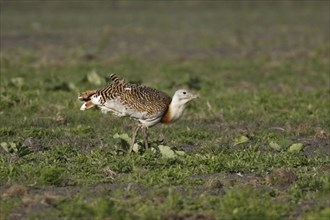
(255, 145)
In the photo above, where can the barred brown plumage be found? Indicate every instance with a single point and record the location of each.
(147, 105)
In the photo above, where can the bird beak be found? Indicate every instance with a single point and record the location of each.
(194, 96)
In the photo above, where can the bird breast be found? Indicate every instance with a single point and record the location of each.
(173, 113)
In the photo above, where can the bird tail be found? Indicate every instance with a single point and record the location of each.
(86, 98)
(87, 105)
(114, 77)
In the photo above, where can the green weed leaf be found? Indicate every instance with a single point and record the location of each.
(17, 81)
(123, 137)
(241, 140)
(13, 146)
(166, 151)
(126, 141)
(4, 146)
(180, 152)
(275, 146)
(9, 147)
(297, 147)
(94, 78)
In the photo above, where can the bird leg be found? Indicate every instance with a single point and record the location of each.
(145, 137)
(134, 134)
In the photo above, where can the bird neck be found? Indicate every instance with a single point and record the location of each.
(174, 111)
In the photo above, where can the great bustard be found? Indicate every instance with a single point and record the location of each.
(146, 105)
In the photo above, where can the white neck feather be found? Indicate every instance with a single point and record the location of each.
(176, 109)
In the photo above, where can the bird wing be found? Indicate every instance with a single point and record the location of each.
(122, 99)
(144, 99)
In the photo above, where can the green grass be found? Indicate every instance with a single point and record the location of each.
(262, 73)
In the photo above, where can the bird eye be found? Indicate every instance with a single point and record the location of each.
(184, 93)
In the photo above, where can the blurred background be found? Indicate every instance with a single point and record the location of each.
(59, 31)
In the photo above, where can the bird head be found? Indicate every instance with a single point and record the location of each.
(183, 96)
